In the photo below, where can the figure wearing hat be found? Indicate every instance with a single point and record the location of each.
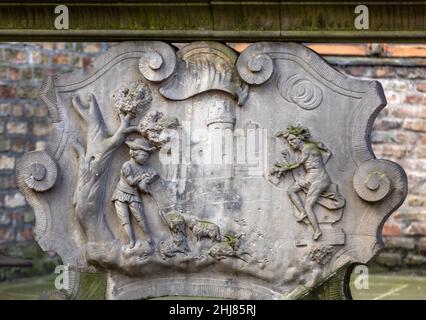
(135, 178)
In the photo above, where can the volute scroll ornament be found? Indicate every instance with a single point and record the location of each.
(37, 170)
(374, 180)
(256, 69)
(199, 171)
(158, 64)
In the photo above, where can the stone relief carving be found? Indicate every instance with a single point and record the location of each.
(165, 170)
(315, 182)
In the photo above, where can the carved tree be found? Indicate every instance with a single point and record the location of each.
(94, 162)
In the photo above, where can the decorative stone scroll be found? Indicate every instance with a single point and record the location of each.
(198, 172)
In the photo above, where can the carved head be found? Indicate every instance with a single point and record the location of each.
(139, 156)
(295, 136)
(140, 149)
(176, 222)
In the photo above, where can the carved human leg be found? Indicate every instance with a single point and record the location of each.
(293, 193)
(123, 214)
(137, 210)
(311, 199)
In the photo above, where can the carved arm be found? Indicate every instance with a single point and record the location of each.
(118, 138)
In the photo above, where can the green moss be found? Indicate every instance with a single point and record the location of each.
(285, 166)
(232, 240)
(174, 216)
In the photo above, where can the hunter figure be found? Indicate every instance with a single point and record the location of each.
(135, 178)
(316, 182)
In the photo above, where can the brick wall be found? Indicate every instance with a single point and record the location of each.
(399, 132)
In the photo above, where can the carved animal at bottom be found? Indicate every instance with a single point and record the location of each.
(173, 246)
(223, 250)
(204, 229)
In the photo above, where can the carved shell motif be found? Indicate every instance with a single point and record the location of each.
(204, 66)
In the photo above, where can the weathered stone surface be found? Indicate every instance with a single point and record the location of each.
(201, 172)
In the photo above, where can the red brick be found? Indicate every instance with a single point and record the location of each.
(15, 56)
(41, 129)
(26, 234)
(17, 127)
(416, 229)
(356, 71)
(40, 111)
(14, 74)
(421, 244)
(420, 152)
(22, 145)
(7, 92)
(416, 99)
(391, 229)
(17, 110)
(338, 49)
(392, 150)
(383, 72)
(6, 234)
(48, 45)
(388, 124)
(415, 125)
(405, 137)
(61, 59)
(16, 216)
(416, 201)
(86, 62)
(421, 86)
(404, 50)
(410, 112)
(415, 176)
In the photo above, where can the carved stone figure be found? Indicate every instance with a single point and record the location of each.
(158, 174)
(93, 161)
(178, 243)
(315, 182)
(202, 228)
(135, 178)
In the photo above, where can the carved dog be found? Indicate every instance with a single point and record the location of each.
(204, 229)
